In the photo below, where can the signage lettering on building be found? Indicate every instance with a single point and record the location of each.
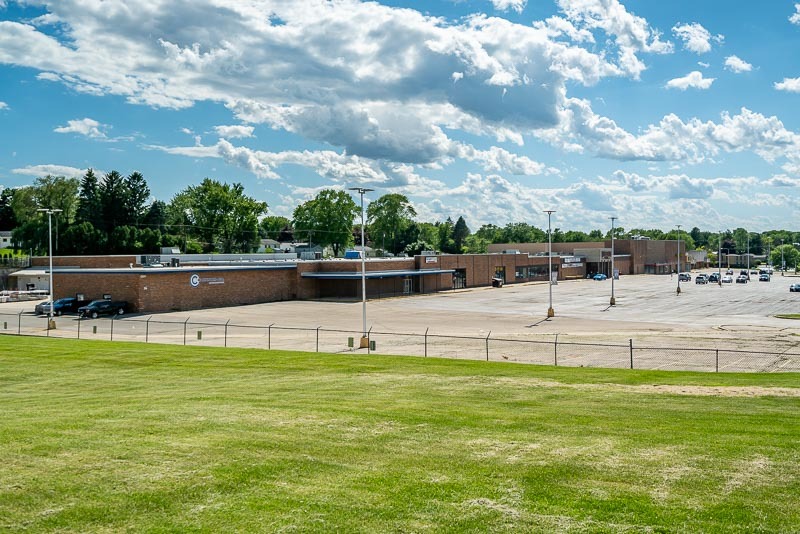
(195, 280)
(431, 259)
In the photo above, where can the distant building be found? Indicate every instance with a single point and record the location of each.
(5, 238)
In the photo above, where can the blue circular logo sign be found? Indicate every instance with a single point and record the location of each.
(194, 280)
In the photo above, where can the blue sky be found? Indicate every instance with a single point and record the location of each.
(660, 113)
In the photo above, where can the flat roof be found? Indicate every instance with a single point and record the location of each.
(374, 274)
(40, 271)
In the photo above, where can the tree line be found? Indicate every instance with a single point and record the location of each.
(115, 214)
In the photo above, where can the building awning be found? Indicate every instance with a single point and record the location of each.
(374, 274)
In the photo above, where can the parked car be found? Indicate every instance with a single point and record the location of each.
(742, 279)
(794, 288)
(685, 277)
(599, 276)
(763, 277)
(701, 279)
(745, 273)
(727, 279)
(60, 306)
(103, 307)
(713, 277)
(729, 271)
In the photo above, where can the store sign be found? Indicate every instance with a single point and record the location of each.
(431, 259)
(195, 280)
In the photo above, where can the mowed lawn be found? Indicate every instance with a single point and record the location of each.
(99, 436)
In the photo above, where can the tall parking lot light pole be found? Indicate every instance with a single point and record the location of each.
(364, 341)
(613, 300)
(719, 261)
(679, 258)
(748, 254)
(783, 262)
(550, 311)
(50, 212)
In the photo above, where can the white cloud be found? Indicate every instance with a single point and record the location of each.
(694, 79)
(737, 65)
(673, 139)
(704, 64)
(695, 37)
(3, 105)
(235, 131)
(88, 127)
(791, 85)
(389, 97)
(505, 5)
(795, 18)
(52, 170)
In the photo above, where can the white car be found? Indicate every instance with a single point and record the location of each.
(727, 279)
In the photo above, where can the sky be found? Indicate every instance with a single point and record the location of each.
(658, 113)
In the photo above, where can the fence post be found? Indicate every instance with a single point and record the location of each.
(426, 342)
(80, 320)
(487, 345)
(226, 333)
(630, 343)
(555, 350)
(369, 347)
(112, 328)
(717, 361)
(19, 323)
(318, 337)
(269, 336)
(48, 326)
(184, 330)
(147, 329)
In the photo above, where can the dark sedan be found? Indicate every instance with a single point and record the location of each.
(60, 306)
(103, 307)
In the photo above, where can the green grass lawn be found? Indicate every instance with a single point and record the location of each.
(98, 436)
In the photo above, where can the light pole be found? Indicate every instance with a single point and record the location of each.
(748, 255)
(783, 262)
(50, 212)
(613, 300)
(364, 341)
(719, 261)
(679, 258)
(550, 311)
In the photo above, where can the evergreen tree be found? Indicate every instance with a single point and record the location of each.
(89, 205)
(460, 233)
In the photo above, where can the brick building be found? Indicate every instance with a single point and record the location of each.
(184, 282)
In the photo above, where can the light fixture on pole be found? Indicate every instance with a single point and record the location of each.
(50, 212)
(550, 311)
(613, 300)
(679, 258)
(364, 341)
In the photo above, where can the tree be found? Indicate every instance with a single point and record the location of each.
(137, 194)
(329, 216)
(388, 218)
(7, 219)
(89, 206)
(445, 236)
(156, 216)
(785, 255)
(113, 194)
(272, 226)
(475, 244)
(460, 233)
(83, 238)
(220, 215)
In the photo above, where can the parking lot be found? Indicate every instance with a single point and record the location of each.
(648, 309)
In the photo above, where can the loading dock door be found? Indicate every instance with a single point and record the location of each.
(408, 285)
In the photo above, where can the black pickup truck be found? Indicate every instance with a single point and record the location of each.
(103, 307)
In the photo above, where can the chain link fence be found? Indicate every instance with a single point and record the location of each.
(490, 347)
